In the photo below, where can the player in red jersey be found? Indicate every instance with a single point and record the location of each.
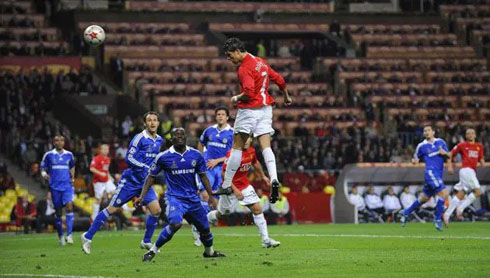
(244, 194)
(471, 153)
(102, 180)
(254, 116)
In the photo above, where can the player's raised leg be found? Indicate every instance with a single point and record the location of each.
(270, 162)
(415, 205)
(234, 160)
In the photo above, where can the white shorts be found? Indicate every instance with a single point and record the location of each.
(467, 180)
(101, 187)
(256, 121)
(227, 203)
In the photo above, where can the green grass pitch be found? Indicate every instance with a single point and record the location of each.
(342, 250)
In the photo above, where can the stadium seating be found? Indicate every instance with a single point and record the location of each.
(227, 7)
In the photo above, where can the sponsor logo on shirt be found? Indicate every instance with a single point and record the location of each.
(433, 153)
(60, 167)
(473, 154)
(216, 144)
(183, 171)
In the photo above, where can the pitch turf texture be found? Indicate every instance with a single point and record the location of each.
(367, 250)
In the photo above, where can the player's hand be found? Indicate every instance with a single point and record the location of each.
(138, 202)
(442, 151)
(46, 177)
(212, 203)
(212, 163)
(450, 170)
(287, 100)
(234, 99)
(415, 160)
(238, 193)
(267, 180)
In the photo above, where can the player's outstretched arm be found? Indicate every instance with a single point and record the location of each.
(207, 186)
(415, 160)
(260, 171)
(449, 161)
(148, 183)
(213, 162)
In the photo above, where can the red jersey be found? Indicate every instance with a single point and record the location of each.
(240, 179)
(254, 75)
(470, 152)
(101, 163)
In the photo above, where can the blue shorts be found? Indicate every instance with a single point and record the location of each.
(177, 209)
(214, 177)
(433, 184)
(62, 197)
(126, 191)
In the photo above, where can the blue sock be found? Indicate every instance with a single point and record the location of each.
(69, 223)
(205, 205)
(98, 222)
(207, 240)
(165, 236)
(151, 224)
(58, 224)
(439, 208)
(413, 207)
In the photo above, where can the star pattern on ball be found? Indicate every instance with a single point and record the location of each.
(93, 35)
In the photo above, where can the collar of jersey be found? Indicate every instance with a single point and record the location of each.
(63, 151)
(148, 136)
(172, 150)
(227, 127)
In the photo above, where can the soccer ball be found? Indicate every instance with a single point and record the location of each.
(94, 35)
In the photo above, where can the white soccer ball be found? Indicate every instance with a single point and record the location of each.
(94, 35)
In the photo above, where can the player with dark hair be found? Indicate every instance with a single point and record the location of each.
(142, 151)
(214, 143)
(430, 151)
(245, 195)
(254, 116)
(471, 153)
(58, 167)
(181, 164)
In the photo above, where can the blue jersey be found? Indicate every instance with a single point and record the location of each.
(58, 166)
(217, 142)
(434, 161)
(180, 172)
(142, 151)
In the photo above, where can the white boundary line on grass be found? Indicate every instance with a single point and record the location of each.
(47, 275)
(117, 234)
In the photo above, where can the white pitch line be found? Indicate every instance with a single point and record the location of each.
(47, 275)
(107, 235)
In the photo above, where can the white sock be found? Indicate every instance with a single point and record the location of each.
(209, 250)
(233, 165)
(195, 233)
(212, 216)
(259, 220)
(452, 206)
(154, 248)
(469, 199)
(270, 162)
(96, 208)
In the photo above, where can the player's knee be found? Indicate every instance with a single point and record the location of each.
(111, 209)
(205, 231)
(477, 192)
(156, 211)
(175, 227)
